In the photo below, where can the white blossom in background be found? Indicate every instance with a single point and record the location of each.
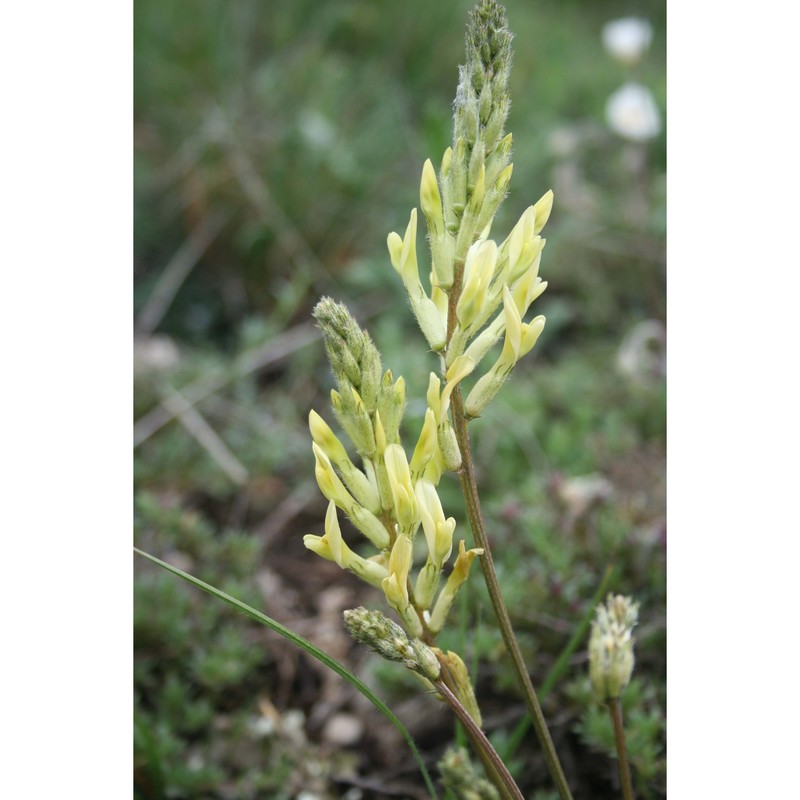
(632, 113)
(627, 39)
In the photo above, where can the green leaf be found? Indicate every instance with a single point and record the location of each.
(320, 655)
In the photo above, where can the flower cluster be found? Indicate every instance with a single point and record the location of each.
(389, 498)
(611, 646)
(476, 293)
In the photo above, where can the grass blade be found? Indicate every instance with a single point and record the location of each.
(311, 649)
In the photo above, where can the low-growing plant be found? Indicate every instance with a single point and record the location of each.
(470, 305)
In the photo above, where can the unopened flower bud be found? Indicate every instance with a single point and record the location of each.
(351, 352)
(377, 631)
(611, 646)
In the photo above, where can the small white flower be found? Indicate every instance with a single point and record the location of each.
(627, 39)
(631, 112)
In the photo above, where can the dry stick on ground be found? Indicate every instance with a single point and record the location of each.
(265, 355)
(206, 436)
(178, 269)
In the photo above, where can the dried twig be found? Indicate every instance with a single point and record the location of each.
(206, 436)
(178, 269)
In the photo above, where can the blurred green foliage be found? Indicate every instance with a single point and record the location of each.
(291, 135)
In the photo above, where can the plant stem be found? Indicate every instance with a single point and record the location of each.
(469, 488)
(622, 753)
(478, 736)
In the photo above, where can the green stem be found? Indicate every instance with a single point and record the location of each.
(469, 488)
(622, 753)
(478, 736)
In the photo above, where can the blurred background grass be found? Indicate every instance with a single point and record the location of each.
(276, 146)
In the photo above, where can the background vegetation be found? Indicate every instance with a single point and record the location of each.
(276, 146)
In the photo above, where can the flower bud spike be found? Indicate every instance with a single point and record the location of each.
(611, 646)
(353, 357)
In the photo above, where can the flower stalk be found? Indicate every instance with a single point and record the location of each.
(478, 294)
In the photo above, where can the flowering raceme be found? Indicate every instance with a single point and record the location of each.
(475, 295)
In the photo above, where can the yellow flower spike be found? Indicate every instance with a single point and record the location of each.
(405, 503)
(543, 207)
(457, 577)
(426, 446)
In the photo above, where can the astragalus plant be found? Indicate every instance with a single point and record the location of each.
(471, 303)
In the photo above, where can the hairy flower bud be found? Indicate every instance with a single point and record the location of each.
(352, 355)
(611, 646)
